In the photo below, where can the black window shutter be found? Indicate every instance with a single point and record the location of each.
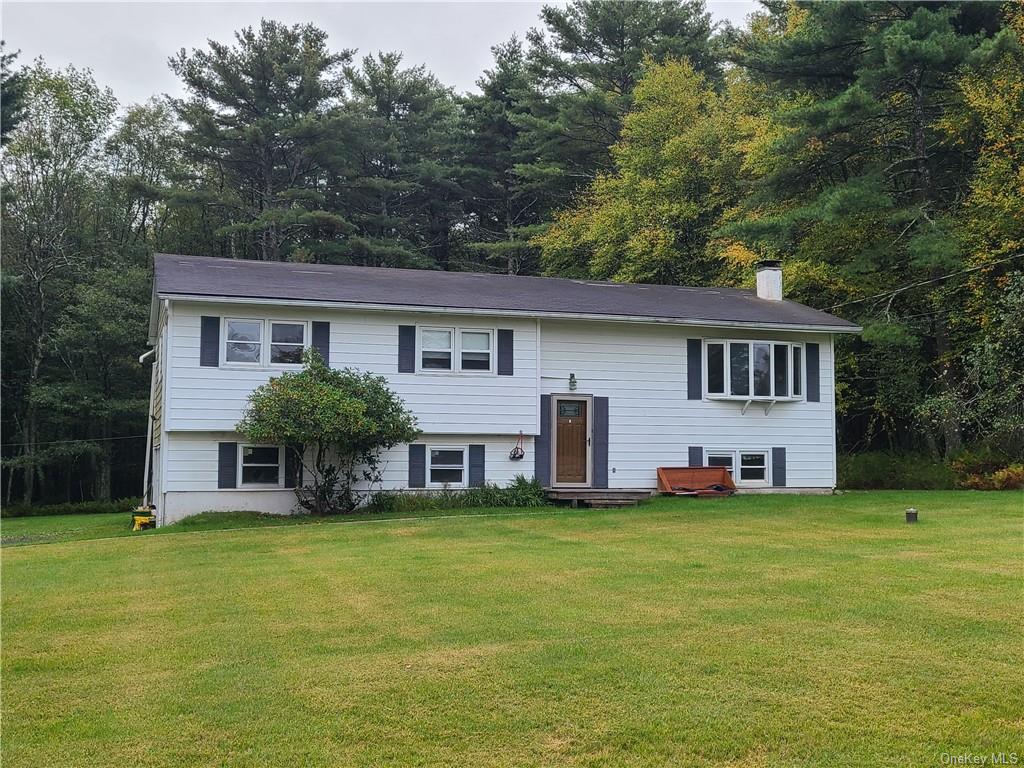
(292, 466)
(209, 341)
(322, 340)
(694, 372)
(813, 374)
(696, 456)
(542, 448)
(227, 465)
(505, 351)
(600, 442)
(406, 349)
(476, 466)
(417, 466)
(779, 467)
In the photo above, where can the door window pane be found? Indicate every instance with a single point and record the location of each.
(739, 369)
(568, 410)
(782, 370)
(762, 370)
(716, 369)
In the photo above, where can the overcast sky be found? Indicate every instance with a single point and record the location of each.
(127, 44)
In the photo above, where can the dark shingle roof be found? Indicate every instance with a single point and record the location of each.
(205, 276)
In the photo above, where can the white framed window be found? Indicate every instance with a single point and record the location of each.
(456, 350)
(261, 466)
(287, 342)
(475, 348)
(243, 341)
(720, 459)
(747, 467)
(753, 467)
(753, 370)
(259, 342)
(437, 349)
(447, 466)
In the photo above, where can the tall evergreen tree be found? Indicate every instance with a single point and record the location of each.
(585, 64)
(257, 115)
(12, 94)
(396, 175)
(502, 214)
(864, 178)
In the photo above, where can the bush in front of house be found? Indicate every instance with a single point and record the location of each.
(335, 423)
(70, 508)
(987, 469)
(521, 492)
(885, 470)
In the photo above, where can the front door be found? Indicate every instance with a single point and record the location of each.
(572, 441)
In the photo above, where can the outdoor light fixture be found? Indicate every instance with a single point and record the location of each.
(572, 382)
(911, 514)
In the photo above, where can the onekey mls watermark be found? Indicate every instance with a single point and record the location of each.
(978, 758)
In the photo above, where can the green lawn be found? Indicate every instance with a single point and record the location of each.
(756, 631)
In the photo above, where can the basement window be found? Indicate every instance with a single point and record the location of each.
(447, 466)
(260, 465)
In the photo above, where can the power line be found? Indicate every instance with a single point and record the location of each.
(83, 440)
(926, 282)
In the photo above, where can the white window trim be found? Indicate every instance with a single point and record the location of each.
(738, 468)
(456, 351)
(269, 334)
(260, 486)
(791, 398)
(736, 453)
(265, 331)
(465, 466)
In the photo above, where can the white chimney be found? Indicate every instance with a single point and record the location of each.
(769, 280)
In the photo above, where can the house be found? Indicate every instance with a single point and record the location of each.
(598, 383)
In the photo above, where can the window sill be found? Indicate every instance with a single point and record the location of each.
(758, 399)
(261, 367)
(257, 488)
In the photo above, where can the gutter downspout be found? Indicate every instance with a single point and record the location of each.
(146, 496)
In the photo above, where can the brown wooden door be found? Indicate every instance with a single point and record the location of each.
(571, 441)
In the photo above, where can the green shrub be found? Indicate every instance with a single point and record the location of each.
(882, 470)
(521, 492)
(70, 508)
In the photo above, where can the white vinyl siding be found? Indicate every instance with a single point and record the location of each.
(192, 460)
(642, 371)
(445, 402)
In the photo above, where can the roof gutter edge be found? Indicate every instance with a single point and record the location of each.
(372, 307)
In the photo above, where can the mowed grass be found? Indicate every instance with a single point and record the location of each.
(756, 631)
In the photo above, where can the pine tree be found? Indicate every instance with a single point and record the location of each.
(863, 177)
(585, 65)
(396, 174)
(502, 214)
(256, 120)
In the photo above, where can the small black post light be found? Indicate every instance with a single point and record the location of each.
(911, 514)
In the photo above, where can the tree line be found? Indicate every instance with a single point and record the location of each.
(874, 147)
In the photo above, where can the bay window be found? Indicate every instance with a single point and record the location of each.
(753, 370)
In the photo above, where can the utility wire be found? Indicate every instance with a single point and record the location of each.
(926, 282)
(83, 440)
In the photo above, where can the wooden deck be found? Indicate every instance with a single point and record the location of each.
(598, 497)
